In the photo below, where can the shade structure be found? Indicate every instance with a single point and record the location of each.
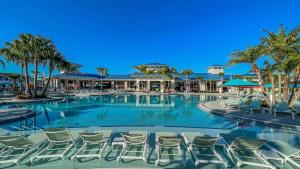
(240, 83)
(291, 86)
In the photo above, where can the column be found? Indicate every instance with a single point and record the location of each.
(161, 86)
(113, 85)
(148, 85)
(137, 84)
(125, 85)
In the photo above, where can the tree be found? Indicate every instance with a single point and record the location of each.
(221, 74)
(54, 61)
(187, 73)
(250, 56)
(268, 71)
(102, 71)
(141, 69)
(280, 46)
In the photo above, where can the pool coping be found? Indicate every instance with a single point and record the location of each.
(202, 106)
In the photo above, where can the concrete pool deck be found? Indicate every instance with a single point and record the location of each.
(281, 120)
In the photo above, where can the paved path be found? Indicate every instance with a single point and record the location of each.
(281, 120)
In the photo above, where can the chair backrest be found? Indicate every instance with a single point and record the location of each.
(16, 141)
(203, 141)
(246, 143)
(135, 138)
(92, 137)
(58, 135)
(282, 106)
(169, 141)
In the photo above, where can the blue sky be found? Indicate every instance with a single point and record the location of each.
(119, 34)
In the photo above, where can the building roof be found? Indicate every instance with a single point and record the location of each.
(155, 64)
(216, 65)
(86, 76)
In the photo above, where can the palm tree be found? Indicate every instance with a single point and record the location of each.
(221, 74)
(54, 60)
(148, 72)
(16, 52)
(164, 72)
(279, 46)
(268, 70)
(102, 71)
(250, 56)
(295, 60)
(200, 79)
(142, 69)
(186, 73)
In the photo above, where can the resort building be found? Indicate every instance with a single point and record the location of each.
(216, 69)
(140, 82)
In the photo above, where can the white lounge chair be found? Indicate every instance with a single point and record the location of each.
(202, 148)
(16, 148)
(247, 152)
(290, 153)
(95, 142)
(169, 145)
(60, 142)
(135, 146)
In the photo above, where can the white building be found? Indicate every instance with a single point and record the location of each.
(216, 69)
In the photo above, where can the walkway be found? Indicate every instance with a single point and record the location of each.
(281, 120)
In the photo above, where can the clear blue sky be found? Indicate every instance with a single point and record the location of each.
(121, 33)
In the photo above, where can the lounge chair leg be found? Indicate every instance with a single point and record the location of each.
(156, 162)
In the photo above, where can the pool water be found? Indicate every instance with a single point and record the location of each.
(126, 110)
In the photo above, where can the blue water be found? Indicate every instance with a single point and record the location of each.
(141, 110)
(126, 110)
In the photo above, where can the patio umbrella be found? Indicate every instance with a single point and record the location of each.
(240, 83)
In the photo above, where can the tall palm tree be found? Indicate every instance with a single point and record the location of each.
(16, 52)
(164, 72)
(186, 73)
(279, 46)
(250, 56)
(102, 71)
(55, 61)
(148, 72)
(268, 70)
(295, 60)
(142, 69)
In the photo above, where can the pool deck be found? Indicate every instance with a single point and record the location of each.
(281, 120)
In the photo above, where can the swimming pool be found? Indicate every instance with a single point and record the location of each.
(125, 110)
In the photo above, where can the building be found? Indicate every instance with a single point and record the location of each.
(216, 69)
(139, 82)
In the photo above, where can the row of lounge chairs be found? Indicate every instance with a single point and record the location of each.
(57, 142)
(254, 104)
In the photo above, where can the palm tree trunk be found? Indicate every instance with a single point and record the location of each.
(28, 91)
(21, 77)
(35, 77)
(296, 81)
(286, 86)
(48, 82)
(273, 90)
(260, 81)
(279, 84)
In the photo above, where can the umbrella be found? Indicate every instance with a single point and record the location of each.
(240, 83)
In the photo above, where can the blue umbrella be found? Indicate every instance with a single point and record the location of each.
(240, 83)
